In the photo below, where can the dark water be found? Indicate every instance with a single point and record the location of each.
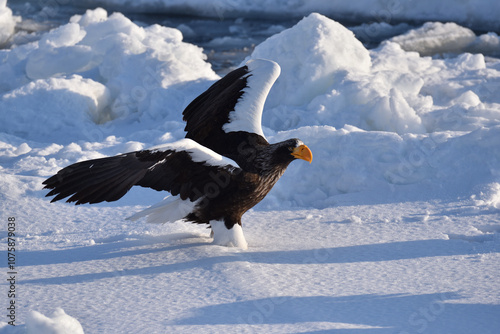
(225, 41)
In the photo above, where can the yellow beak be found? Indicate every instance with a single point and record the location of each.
(303, 152)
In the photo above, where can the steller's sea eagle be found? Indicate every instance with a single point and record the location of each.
(220, 170)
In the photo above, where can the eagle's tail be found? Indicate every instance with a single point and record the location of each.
(171, 209)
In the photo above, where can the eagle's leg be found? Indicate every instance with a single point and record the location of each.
(232, 237)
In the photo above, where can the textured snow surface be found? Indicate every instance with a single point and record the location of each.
(394, 227)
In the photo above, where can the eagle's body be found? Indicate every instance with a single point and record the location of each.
(224, 167)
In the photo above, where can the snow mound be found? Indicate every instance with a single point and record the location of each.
(386, 122)
(331, 73)
(58, 323)
(62, 105)
(7, 23)
(489, 197)
(313, 50)
(386, 89)
(94, 69)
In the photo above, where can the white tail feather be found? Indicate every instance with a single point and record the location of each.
(171, 209)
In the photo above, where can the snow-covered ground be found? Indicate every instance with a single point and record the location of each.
(394, 227)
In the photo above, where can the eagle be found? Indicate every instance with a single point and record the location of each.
(223, 167)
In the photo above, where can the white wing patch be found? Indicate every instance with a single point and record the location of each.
(247, 114)
(198, 153)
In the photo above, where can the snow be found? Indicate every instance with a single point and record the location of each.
(90, 66)
(313, 71)
(7, 23)
(445, 38)
(58, 323)
(393, 228)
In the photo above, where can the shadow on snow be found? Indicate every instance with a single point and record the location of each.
(393, 313)
(390, 251)
(390, 313)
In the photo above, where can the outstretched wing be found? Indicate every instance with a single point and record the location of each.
(229, 113)
(183, 168)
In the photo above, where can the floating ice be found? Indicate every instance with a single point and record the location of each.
(478, 14)
(331, 75)
(436, 38)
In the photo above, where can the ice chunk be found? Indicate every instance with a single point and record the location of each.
(487, 44)
(309, 54)
(436, 38)
(58, 323)
(55, 108)
(7, 22)
(90, 17)
(58, 54)
(393, 113)
(490, 196)
(120, 68)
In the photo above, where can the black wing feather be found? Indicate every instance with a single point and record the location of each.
(109, 179)
(206, 116)
(208, 113)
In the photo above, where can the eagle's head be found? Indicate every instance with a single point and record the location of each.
(281, 154)
(298, 150)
